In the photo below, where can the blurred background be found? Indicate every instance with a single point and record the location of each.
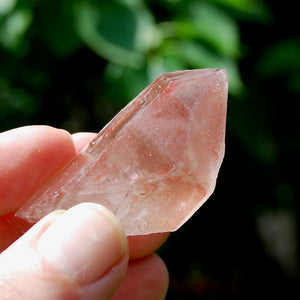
(74, 63)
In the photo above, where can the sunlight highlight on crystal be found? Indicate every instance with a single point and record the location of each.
(155, 163)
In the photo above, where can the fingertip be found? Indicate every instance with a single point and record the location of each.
(81, 139)
(146, 279)
(44, 150)
(143, 245)
(81, 253)
(94, 237)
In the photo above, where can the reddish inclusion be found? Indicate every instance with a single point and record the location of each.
(156, 162)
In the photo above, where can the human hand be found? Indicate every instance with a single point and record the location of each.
(81, 253)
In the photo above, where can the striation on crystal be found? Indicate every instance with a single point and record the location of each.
(155, 163)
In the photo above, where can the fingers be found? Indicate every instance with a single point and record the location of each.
(50, 256)
(29, 156)
(146, 279)
(79, 254)
(140, 246)
(11, 228)
(81, 139)
(143, 245)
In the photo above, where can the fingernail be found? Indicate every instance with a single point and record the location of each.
(85, 242)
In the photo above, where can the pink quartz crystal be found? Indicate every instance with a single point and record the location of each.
(155, 163)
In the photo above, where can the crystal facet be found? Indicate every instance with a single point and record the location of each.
(155, 163)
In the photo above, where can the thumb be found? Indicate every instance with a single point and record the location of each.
(78, 254)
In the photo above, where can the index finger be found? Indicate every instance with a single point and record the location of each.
(29, 156)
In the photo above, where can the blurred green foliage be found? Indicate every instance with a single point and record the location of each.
(135, 41)
(75, 63)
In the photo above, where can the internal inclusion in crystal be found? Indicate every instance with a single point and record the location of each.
(155, 163)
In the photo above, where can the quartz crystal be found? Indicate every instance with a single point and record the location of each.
(155, 163)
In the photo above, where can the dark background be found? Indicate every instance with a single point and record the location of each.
(73, 64)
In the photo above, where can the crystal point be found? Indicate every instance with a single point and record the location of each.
(155, 163)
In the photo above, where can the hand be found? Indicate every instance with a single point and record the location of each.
(81, 253)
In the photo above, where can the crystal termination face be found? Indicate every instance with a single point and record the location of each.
(155, 163)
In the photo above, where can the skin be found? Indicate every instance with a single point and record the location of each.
(119, 267)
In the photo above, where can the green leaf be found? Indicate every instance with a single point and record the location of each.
(14, 28)
(214, 27)
(164, 63)
(130, 82)
(247, 9)
(195, 55)
(6, 6)
(119, 32)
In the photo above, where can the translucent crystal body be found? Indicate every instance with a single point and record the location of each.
(155, 163)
